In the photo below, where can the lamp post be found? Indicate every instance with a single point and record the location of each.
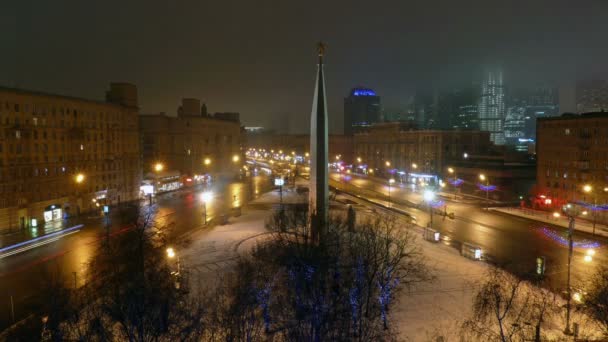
(483, 177)
(453, 174)
(79, 178)
(158, 167)
(569, 211)
(588, 189)
(206, 197)
(429, 196)
(390, 182)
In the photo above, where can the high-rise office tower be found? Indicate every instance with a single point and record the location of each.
(457, 109)
(592, 96)
(361, 109)
(426, 108)
(541, 101)
(492, 106)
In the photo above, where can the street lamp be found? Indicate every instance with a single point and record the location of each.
(390, 182)
(207, 161)
(206, 197)
(483, 177)
(358, 159)
(235, 158)
(171, 254)
(429, 197)
(388, 163)
(79, 178)
(569, 210)
(588, 189)
(158, 167)
(452, 172)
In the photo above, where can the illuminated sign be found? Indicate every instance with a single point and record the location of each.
(364, 92)
(279, 181)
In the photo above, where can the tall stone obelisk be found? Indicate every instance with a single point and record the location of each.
(318, 201)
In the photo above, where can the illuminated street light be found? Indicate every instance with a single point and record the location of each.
(158, 167)
(236, 158)
(390, 182)
(79, 178)
(414, 165)
(587, 188)
(207, 161)
(591, 252)
(307, 154)
(450, 170)
(482, 177)
(206, 197)
(170, 253)
(588, 258)
(388, 163)
(584, 212)
(358, 159)
(429, 197)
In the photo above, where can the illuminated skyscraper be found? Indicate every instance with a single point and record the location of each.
(361, 109)
(492, 106)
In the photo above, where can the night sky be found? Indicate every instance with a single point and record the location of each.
(258, 57)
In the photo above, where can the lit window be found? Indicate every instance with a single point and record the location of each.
(81, 147)
(567, 131)
(18, 134)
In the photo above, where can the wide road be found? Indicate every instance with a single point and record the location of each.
(508, 240)
(25, 276)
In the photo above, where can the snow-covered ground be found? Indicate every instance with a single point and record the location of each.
(426, 311)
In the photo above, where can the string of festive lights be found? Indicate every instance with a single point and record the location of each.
(437, 204)
(489, 187)
(456, 182)
(593, 207)
(562, 240)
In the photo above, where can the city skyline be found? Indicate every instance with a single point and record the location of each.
(198, 57)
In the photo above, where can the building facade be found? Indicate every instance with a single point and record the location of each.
(61, 155)
(192, 142)
(422, 151)
(572, 152)
(361, 109)
(492, 106)
(339, 145)
(592, 96)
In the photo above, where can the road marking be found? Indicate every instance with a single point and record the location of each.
(43, 237)
(36, 245)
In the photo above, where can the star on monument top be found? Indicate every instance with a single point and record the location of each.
(321, 48)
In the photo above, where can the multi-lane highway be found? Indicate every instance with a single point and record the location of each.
(28, 270)
(508, 240)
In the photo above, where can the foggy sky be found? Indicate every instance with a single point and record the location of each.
(258, 57)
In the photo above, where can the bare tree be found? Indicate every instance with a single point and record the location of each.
(340, 288)
(509, 308)
(596, 299)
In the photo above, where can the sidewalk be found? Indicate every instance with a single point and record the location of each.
(562, 221)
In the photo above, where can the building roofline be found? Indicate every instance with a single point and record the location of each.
(165, 115)
(574, 116)
(60, 96)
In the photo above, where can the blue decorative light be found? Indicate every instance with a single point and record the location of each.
(437, 204)
(487, 187)
(363, 92)
(456, 182)
(593, 207)
(553, 235)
